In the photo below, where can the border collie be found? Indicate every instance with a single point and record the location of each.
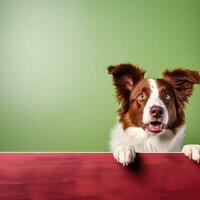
(151, 117)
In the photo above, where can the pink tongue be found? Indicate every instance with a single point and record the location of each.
(155, 127)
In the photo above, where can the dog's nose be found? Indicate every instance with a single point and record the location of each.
(156, 111)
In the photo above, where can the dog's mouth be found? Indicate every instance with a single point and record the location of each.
(155, 127)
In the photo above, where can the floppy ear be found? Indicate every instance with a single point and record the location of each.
(125, 77)
(182, 81)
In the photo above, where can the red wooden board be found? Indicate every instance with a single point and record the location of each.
(94, 176)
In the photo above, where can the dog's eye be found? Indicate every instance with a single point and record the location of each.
(167, 96)
(141, 96)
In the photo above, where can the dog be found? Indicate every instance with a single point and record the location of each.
(151, 115)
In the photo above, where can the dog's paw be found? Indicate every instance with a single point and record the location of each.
(192, 151)
(124, 154)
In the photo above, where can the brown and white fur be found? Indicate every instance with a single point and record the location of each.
(151, 116)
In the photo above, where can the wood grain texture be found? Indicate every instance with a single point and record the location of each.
(95, 176)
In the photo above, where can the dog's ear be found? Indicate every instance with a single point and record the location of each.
(182, 81)
(125, 77)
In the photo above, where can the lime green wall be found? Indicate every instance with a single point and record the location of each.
(55, 91)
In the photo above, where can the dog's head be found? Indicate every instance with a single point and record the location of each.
(153, 104)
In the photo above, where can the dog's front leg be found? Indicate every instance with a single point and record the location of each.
(192, 151)
(123, 151)
(124, 154)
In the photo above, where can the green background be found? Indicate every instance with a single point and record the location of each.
(56, 94)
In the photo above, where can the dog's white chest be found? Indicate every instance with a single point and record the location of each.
(144, 142)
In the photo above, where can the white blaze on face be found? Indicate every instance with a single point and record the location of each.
(154, 100)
